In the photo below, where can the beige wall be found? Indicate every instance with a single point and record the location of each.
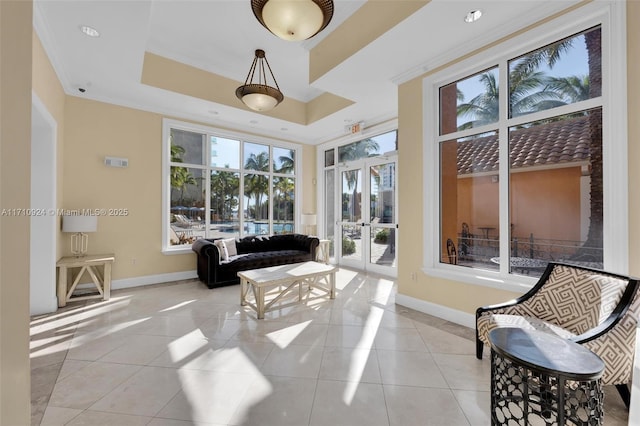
(309, 182)
(458, 295)
(48, 88)
(94, 130)
(633, 105)
(15, 179)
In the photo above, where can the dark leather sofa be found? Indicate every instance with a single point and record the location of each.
(253, 252)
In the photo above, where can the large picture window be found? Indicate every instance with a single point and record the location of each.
(221, 185)
(521, 160)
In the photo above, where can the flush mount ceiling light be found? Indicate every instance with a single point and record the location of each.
(473, 16)
(90, 31)
(293, 20)
(260, 96)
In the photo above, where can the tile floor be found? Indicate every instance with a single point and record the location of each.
(181, 354)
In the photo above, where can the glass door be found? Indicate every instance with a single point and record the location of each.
(366, 234)
(351, 222)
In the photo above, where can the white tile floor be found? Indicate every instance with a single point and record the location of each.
(181, 354)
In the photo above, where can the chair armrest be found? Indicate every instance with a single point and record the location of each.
(528, 295)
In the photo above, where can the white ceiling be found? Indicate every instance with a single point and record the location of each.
(220, 36)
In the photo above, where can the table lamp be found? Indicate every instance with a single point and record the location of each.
(308, 221)
(79, 225)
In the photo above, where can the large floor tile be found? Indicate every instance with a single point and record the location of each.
(277, 401)
(138, 349)
(422, 406)
(293, 361)
(409, 369)
(56, 416)
(83, 388)
(399, 339)
(208, 396)
(96, 418)
(442, 342)
(476, 406)
(143, 394)
(348, 403)
(189, 351)
(350, 364)
(464, 372)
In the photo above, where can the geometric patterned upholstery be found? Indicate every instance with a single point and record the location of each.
(598, 310)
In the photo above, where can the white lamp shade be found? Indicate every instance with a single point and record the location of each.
(308, 219)
(77, 223)
(259, 101)
(292, 19)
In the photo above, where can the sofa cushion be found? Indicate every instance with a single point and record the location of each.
(230, 244)
(265, 258)
(222, 249)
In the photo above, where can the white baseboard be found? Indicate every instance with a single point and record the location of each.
(153, 279)
(449, 314)
(146, 280)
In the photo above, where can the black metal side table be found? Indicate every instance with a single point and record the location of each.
(541, 379)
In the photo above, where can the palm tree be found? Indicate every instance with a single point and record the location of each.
(573, 88)
(595, 239)
(180, 179)
(257, 184)
(528, 92)
(224, 193)
(287, 162)
(355, 151)
(283, 198)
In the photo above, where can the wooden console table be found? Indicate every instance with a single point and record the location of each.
(89, 264)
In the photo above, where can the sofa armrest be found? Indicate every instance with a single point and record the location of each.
(208, 259)
(308, 244)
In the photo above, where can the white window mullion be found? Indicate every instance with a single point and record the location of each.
(503, 173)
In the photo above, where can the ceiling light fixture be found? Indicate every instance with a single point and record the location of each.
(90, 31)
(293, 20)
(260, 96)
(472, 16)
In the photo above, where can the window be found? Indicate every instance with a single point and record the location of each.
(520, 151)
(220, 185)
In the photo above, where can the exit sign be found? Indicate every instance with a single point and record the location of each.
(356, 128)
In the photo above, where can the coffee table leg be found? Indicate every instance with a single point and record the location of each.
(332, 285)
(260, 303)
(243, 292)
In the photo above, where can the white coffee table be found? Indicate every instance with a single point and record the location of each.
(284, 279)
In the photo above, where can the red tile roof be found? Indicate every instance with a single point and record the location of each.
(565, 141)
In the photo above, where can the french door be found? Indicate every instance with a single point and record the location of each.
(366, 218)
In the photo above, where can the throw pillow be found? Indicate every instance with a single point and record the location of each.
(230, 244)
(222, 249)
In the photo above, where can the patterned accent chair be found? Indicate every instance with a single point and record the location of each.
(596, 309)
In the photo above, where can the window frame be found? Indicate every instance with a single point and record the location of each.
(612, 18)
(168, 124)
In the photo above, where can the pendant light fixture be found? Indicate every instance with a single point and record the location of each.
(260, 96)
(293, 20)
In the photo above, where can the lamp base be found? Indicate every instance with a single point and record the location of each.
(79, 244)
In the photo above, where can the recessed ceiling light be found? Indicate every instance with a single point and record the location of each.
(284, 129)
(473, 16)
(213, 112)
(90, 31)
(253, 122)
